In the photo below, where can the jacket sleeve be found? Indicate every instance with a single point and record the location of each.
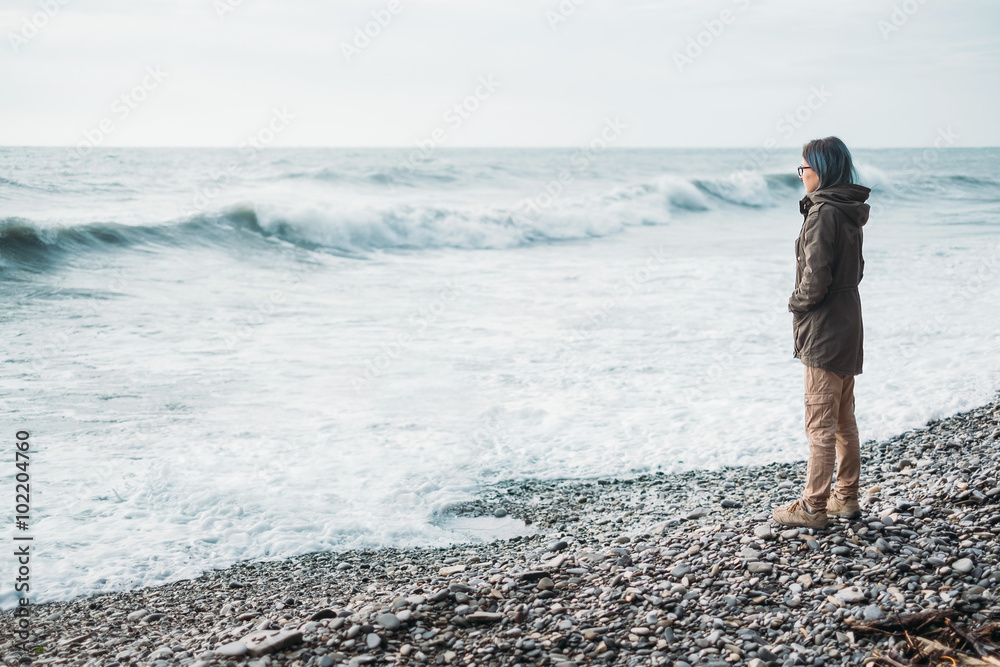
(819, 236)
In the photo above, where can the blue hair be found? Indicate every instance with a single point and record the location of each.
(831, 161)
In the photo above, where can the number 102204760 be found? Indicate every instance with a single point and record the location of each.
(22, 489)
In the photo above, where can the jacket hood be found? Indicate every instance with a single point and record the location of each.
(848, 198)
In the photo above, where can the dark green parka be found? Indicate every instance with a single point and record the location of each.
(826, 305)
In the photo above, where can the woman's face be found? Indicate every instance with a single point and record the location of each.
(809, 177)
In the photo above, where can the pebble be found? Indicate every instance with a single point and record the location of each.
(872, 613)
(231, 650)
(766, 655)
(388, 621)
(763, 532)
(963, 565)
(850, 595)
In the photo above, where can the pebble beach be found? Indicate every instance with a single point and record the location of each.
(677, 570)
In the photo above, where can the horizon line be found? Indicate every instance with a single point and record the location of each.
(573, 146)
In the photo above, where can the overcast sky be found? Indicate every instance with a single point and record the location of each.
(210, 72)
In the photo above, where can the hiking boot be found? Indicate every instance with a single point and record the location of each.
(796, 514)
(848, 509)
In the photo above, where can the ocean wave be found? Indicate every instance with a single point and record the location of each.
(321, 174)
(742, 189)
(354, 230)
(33, 245)
(402, 175)
(7, 181)
(357, 229)
(18, 185)
(410, 177)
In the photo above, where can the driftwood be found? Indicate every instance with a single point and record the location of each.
(933, 638)
(935, 649)
(915, 621)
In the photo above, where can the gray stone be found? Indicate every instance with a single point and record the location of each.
(763, 532)
(850, 595)
(963, 566)
(500, 513)
(698, 513)
(485, 617)
(373, 640)
(760, 567)
(231, 650)
(872, 613)
(388, 621)
(262, 642)
(766, 655)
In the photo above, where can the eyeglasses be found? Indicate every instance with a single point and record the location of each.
(801, 169)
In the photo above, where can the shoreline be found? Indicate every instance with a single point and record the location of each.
(658, 569)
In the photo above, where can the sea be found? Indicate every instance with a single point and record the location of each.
(219, 355)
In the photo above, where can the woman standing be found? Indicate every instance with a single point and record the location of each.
(827, 328)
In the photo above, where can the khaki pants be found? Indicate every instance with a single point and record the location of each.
(833, 437)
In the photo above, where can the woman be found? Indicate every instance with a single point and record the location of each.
(827, 328)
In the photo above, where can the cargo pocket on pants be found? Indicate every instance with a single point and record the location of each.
(819, 411)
